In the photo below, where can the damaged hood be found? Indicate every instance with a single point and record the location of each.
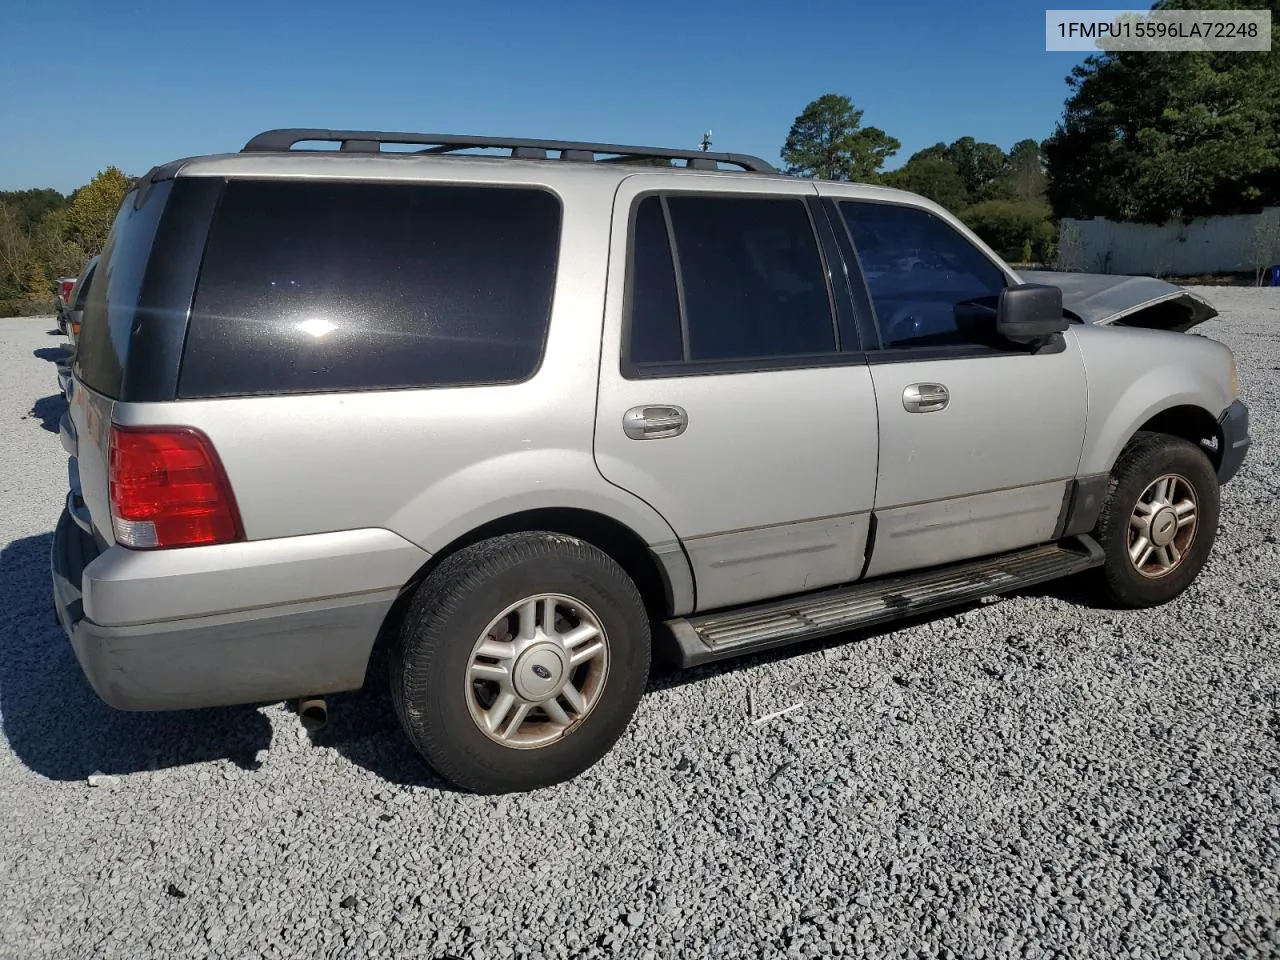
(1105, 299)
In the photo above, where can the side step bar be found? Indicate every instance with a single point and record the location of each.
(730, 633)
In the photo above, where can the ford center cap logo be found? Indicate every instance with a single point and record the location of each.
(541, 672)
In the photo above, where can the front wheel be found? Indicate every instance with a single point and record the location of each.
(520, 662)
(1159, 520)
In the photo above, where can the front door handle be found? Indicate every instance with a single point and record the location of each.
(925, 397)
(654, 422)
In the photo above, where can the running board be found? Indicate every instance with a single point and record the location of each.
(730, 633)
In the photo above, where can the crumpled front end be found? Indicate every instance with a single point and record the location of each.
(1104, 299)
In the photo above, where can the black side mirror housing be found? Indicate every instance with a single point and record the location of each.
(1031, 314)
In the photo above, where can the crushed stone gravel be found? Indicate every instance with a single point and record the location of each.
(1029, 777)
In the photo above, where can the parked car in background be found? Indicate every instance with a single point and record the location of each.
(76, 301)
(74, 319)
(65, 286)
(529, 418)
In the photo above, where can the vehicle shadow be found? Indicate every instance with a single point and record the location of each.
(54, 722)
(1080, 590)
(52, 354)
(49, 410)
(56, 725)
(363, 727)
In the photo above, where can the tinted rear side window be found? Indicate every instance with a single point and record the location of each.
(110, 308)
(319, 286)
(752, 278)
(752, 282)
(655, 303)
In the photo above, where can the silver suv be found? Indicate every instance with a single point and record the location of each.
(530, 416)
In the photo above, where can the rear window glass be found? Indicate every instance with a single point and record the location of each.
(751, 281)
(319, 286)
(111, 305)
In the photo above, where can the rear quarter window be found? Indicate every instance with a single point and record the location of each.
(110, 308)
(314, 286)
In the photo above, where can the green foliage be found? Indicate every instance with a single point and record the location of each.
(932, 177)
(39, 241)
(939, 151)
(52, 247)
(15, 251)
(38, 286)
(1025, 174)
(1011, 226)
(22, 307)
(1001, 196)
(94, 208)
(980, 165)
(967, 171)
(1154, 137)
(31, 206)
(827, 141)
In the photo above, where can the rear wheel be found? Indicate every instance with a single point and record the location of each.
(520, 662)
(1159, 521)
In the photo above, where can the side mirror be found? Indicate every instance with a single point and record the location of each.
(1030, 313)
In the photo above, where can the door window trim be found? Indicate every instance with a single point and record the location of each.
(847, 348)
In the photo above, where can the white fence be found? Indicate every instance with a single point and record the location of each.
(1211, 245)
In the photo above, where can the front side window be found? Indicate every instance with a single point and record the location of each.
(930, 286)
(725, 278)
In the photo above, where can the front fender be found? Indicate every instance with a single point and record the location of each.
(1136, 374)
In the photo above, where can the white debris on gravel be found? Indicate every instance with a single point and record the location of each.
(777, 713)
(1027, 778)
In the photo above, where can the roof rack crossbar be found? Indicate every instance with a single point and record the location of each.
(369, 141)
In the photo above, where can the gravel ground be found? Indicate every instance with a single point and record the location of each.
(1023, 778)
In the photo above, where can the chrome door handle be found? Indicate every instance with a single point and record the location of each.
(654, 422)
(925, 397)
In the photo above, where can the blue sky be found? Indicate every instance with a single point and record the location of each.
(88, 84)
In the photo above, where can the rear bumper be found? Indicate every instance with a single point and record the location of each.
(1235, 440)
(260, 654)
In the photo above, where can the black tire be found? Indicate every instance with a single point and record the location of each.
(452, 609)
(1148, 457)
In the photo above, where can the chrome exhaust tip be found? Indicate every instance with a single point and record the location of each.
(313, 714)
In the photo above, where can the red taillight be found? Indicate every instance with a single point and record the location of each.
(67, 287)
(168, 489)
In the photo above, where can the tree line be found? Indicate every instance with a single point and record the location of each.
(1143, 137)
(45, 235)
(1000, 195)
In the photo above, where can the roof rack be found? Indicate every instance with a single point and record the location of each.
(370, 141)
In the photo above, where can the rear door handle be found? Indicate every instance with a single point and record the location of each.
(654, 422)
(925, 397)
